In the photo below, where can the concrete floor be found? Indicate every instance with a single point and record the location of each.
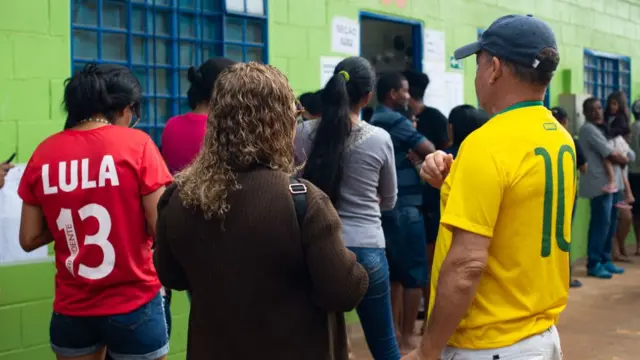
(601, 322)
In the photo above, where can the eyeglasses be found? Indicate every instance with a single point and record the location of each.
(135, 110)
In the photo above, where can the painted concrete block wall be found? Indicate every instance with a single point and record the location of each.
(34, 61)
(299, 33)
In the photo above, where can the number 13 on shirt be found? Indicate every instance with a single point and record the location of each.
(549, 190)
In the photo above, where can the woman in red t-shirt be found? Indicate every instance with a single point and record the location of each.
(92, 189)
(183, 134)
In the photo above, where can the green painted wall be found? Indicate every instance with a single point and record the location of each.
(35, 60)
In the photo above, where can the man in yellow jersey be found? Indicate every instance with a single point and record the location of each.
(500, 269)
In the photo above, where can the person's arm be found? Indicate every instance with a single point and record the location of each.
(153, 176)
(338, 281)
(471, 214)
(596, 140)
(34, 232)
(631, 155)
(583, 168)
(410, 138)
(170, 272)
(388, 185)
(33, 228)
(150, 205)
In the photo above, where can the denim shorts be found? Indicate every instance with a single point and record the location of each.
(138, 335)
(405, 238)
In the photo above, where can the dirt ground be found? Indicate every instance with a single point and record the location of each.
(601, 322)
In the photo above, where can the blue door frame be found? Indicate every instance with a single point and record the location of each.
(416, 33)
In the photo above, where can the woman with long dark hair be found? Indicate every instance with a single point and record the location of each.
(92, 189)
(619, 134)
(353, 162)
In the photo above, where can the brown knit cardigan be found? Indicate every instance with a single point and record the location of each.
(263, 288)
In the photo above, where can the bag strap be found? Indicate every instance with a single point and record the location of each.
(299, 193)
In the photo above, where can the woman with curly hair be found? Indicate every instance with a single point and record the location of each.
(228, 230)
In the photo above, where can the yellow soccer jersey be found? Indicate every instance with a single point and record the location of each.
(513, 180)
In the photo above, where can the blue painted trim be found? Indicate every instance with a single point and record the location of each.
(390, 18)
(418, 46)
(602, 54)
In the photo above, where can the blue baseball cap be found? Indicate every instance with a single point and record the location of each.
(516, 38)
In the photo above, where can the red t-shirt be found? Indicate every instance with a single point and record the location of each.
(182, 139)
(89, 185)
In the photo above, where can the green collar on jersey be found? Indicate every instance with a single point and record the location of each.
(520, 105)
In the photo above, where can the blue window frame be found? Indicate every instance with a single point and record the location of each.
(160, 39)
(605, 73)
(547, 100)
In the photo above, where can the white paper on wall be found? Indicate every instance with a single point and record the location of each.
(445, 91)
(327, 66)
(434, 46)
(454, 85)
(345, 36)
(10, 209)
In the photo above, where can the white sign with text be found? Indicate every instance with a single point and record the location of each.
(345, 36)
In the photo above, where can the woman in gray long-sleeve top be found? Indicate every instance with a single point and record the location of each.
(353, 163)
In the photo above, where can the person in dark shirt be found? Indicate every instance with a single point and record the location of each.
(404, 225)
(367, 113)
(432, 124)
(561, 115)
(312, 105)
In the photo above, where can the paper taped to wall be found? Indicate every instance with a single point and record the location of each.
(445, 91)
(345, 36)
(10, 209)
(327, 66)
(434, 46)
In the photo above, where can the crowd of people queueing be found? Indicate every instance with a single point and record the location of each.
(277, 226)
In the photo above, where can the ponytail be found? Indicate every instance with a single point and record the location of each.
(325, 164)
(352, 82)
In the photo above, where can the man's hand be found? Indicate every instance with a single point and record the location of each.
(435, 168)
(4, 169)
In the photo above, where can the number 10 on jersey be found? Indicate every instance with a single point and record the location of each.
(547, 215)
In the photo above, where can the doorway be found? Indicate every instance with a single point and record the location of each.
(390, 43)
